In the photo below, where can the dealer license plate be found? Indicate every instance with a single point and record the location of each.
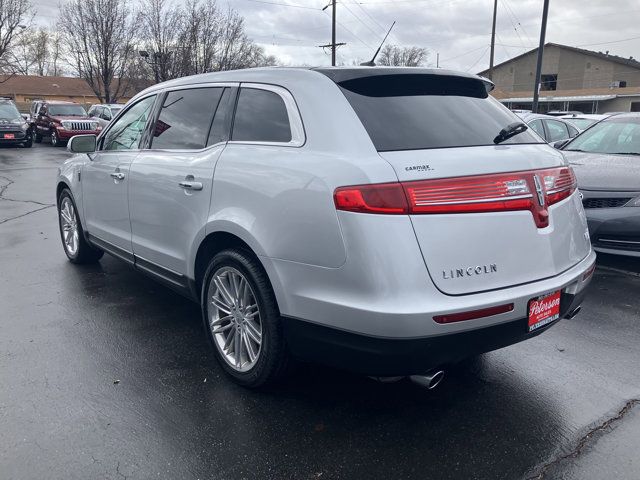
(544, 310)
(9, 136)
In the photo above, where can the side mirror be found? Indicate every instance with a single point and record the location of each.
(82, 144)
(561, 143)
(25, 117)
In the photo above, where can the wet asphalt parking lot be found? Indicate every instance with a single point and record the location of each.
(105, 374)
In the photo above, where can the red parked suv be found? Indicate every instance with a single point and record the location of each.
(62, 120)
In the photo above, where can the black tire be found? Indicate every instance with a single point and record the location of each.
(55, 140)
(37, 138)
(29, 142)
(84, 253)
(273, 360)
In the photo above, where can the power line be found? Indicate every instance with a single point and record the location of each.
(283, 4)
(360, 20)
(607, 43)
(481, 57)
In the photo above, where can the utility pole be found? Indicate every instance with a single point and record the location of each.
(543, 33)
(438, 60)
(333, 45)
(493, 39)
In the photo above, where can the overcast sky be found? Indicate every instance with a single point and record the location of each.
(459, 30)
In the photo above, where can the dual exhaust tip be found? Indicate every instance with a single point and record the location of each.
(429, 380)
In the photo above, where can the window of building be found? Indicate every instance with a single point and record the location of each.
(185, 119)
(261, 116)
(635, 107)
(548, 82)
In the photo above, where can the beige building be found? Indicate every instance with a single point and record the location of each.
(572, 79)
(23, 89)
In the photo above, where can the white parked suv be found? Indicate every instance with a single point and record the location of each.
(389, 221)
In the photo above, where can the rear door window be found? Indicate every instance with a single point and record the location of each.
(261, 116)
(421, 111)
(185, 118)
(537, 127)
(557, 130)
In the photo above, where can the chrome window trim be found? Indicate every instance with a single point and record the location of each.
(298, 137)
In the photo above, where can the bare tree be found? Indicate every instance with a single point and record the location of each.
(196, 37)
(396, 56)
(15, 16)
(98, 36)
(55, 52)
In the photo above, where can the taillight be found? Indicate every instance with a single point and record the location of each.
(530, 190)
(376, 198)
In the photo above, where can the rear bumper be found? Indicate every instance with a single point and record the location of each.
(20, 137)
(67, 134)
(380, 356)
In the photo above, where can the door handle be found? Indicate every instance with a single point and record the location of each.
(117, 175)
(189, 185)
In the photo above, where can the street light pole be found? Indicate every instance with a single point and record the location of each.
(543, 33)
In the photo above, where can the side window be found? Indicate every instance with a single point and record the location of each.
(557, 131)
(105, 114)
(92, 112)
(221, 126)
(537, 127)
(185, 118)
(261, 116)
(126, 132)
(573, 131)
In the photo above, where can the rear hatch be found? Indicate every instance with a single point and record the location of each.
(486, 215)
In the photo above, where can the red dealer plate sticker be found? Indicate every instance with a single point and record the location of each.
(544, 310)
(9, 135)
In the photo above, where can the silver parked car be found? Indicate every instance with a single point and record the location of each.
(389, 221)
(104, 113)
(552, 129)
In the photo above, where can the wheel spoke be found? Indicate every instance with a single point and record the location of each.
(221, 305)
(222, 329)
(249, 348)
(229, 339)
(237, 348)
(253, 331)
(224, 292)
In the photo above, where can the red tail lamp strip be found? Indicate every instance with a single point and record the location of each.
(531, 190)
(473, 314)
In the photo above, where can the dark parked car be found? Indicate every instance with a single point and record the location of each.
(606, 161)
(62, 120)
(14, 129)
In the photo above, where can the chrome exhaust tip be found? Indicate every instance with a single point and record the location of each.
(429, 380)
(574, 312)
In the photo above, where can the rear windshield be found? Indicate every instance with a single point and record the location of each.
(413, 112)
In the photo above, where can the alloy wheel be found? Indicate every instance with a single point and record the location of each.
(69, 226)
(234, 319)
(54, 138)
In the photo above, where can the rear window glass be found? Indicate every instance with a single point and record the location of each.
(413, 112)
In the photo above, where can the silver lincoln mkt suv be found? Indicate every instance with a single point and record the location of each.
(389, 221)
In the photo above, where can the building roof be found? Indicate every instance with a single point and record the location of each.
(583, 94)
(629, 62)
(44, 86)
(36, 86)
